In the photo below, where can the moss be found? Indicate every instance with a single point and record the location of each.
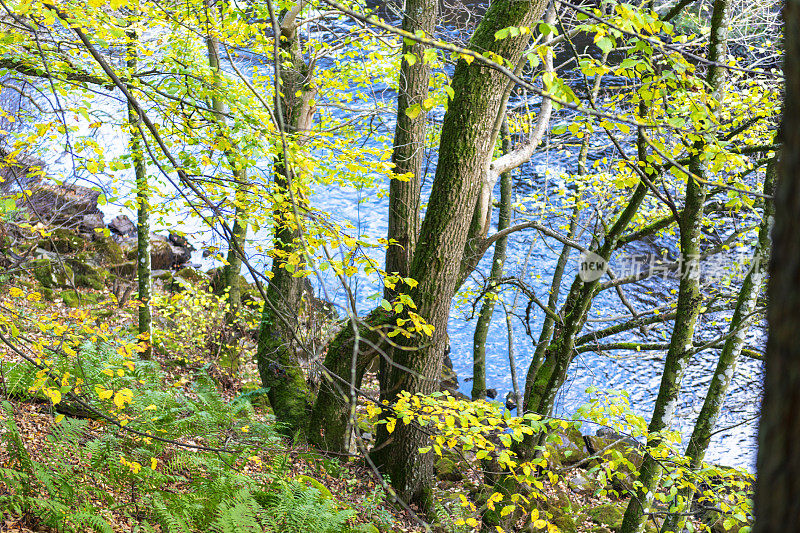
(89, 282)
(63, 241)
(107, 250)
(72, 298)
(314, 483)
(448, 469)
(51, 274)
(608, 515)
(48, 294)
(191, 275)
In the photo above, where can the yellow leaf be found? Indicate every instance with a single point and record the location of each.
(102, 393)
(390, 424)
(153, 463)
(59, 418)
(507, 510)
(122, 397)
(245, 429)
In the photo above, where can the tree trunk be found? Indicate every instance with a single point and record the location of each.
(142, 213)
(277, 355)
(463, 152)
(777, 498)
(689, 298)
(498, 261)
(726, 366)
(409, 141)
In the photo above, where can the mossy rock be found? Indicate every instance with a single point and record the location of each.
(48, 294)
(560, 512)
(315, 484)
(448, 468)
(87, 274)
(126, 270)
(107, 250)
(63, 241)
(191, 275)
(607, 515)
(52, 274)
(566, 447)
(89, 282)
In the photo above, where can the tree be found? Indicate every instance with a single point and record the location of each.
(777, 497)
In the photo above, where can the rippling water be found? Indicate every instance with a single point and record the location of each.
(532, 257)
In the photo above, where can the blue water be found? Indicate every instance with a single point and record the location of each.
(538, 186)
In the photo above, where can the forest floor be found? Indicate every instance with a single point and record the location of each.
(575, 501)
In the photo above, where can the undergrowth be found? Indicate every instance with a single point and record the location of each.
(97, 476)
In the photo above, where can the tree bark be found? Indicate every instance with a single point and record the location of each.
(777, 498)
(463, 152)
(277, 357)
(689, 298)
(498, 262)
(142, 212)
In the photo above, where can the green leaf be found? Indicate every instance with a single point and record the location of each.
(413, 111)
(386, 305)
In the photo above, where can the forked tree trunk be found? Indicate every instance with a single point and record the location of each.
(463, 152)
(277, 355)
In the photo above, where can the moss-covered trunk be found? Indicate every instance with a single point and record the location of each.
(726, 366)
(143, 274)
(463, 152)
(689, 298)
(277, 355)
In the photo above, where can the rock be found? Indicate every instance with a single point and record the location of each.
(584, 483)
(61, 204)
(180, 241)
(90, 223)
(87, 273)
(126, 270)
(511, 401)
(73, 299)
(52, 274)
(192, 276)
(122, 225)
(107, 250)
(567, 447)
(491, 393)
(63, 241)
(608, 515)
(161, 255)
(561, 513)
(180, 255)
(448, 468)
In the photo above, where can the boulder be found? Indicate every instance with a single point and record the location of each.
(91, 223)
(52, 274)
(123, 226)
(181, 255)
(63, 241)
(161, 255)
(567, 447)
(450, 467)
(107, 251)
(62, 204)
(72, 298)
